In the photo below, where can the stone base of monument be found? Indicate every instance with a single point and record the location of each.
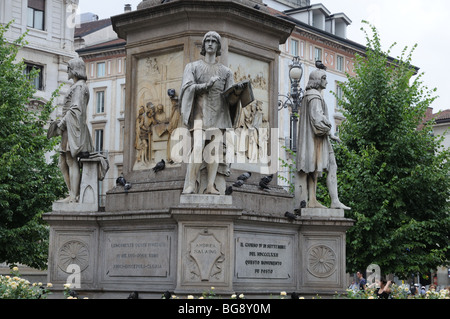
(88, 199)
(190, 248)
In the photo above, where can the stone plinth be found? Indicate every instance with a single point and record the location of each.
(322, 212)
(187, 249)
(88, 200)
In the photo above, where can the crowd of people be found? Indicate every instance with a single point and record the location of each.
(383, 288)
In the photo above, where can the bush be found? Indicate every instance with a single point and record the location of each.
(14, 287)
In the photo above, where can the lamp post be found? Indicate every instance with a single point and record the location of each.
(294, 99)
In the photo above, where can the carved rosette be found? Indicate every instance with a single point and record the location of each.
(73, 252)
(322, 261)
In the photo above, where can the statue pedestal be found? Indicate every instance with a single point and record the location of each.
(322, 212)
(88, 201)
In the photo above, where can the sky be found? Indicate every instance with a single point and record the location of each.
(405, 22)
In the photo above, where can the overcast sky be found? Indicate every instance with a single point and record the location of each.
(407, 22)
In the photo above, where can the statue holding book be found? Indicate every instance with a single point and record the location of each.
(210, 103)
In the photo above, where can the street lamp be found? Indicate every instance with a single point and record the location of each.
(293, 99)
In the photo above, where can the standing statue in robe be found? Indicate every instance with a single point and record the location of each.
(76, 140)
(314, 150)
(205, 109)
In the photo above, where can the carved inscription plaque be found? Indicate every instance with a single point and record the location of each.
(262, 256)
(138, 255)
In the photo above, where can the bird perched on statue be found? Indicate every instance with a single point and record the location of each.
(264, 182)
(267, 179)
(263, 185)
(320, 65)
(120, 181)
(243, 177)
(303, 204)
(238, 183)
(229, 190)
(290, 216)
(159, 166)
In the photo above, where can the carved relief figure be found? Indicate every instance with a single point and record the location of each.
(174, 122)
(204, 109)
(314, 151)
(144, 123)
(253, 132)
(76, 141)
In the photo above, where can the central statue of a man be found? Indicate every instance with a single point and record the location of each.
(206, 110)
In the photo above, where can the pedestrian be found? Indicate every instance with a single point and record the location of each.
(385, 289)
(362, 281)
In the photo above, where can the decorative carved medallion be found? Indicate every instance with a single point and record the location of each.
(206, 251)
(73, 252)
(321, 261)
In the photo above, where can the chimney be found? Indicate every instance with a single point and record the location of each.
(127, 8)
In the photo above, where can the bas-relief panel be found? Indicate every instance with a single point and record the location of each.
(253, 130)
(157, 113)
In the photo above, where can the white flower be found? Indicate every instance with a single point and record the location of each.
(190, 297)
(283, 293)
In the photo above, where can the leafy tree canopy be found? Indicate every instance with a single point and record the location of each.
(393, 175)
(28, 184)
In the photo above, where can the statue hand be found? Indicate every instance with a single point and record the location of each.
(335, 138)
(212, 81)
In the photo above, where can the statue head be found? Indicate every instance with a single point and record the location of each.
(215, 36)
(77, 68)
(317, 80)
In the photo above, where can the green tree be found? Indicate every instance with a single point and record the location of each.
(393, 175)
(28, 184)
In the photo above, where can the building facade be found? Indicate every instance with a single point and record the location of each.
(50, 26)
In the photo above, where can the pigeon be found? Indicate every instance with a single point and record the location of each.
(120, 181)
(238, 183)
(320, 65)
(171, 93)
(303, 204)
(166, 295)
(127, 187)
(159, 166)
(263, 185)
(267, 179)
(295, 295)
(290, 216)
(245, 176)
(229, 190)
(133, 295)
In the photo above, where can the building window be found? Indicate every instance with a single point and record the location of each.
(339, 95)
(36, 14)
(294, 47)
(98, 140)
(37, 79)
(317, 54)
(340, 63)
(100, 102)
(101, 69)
